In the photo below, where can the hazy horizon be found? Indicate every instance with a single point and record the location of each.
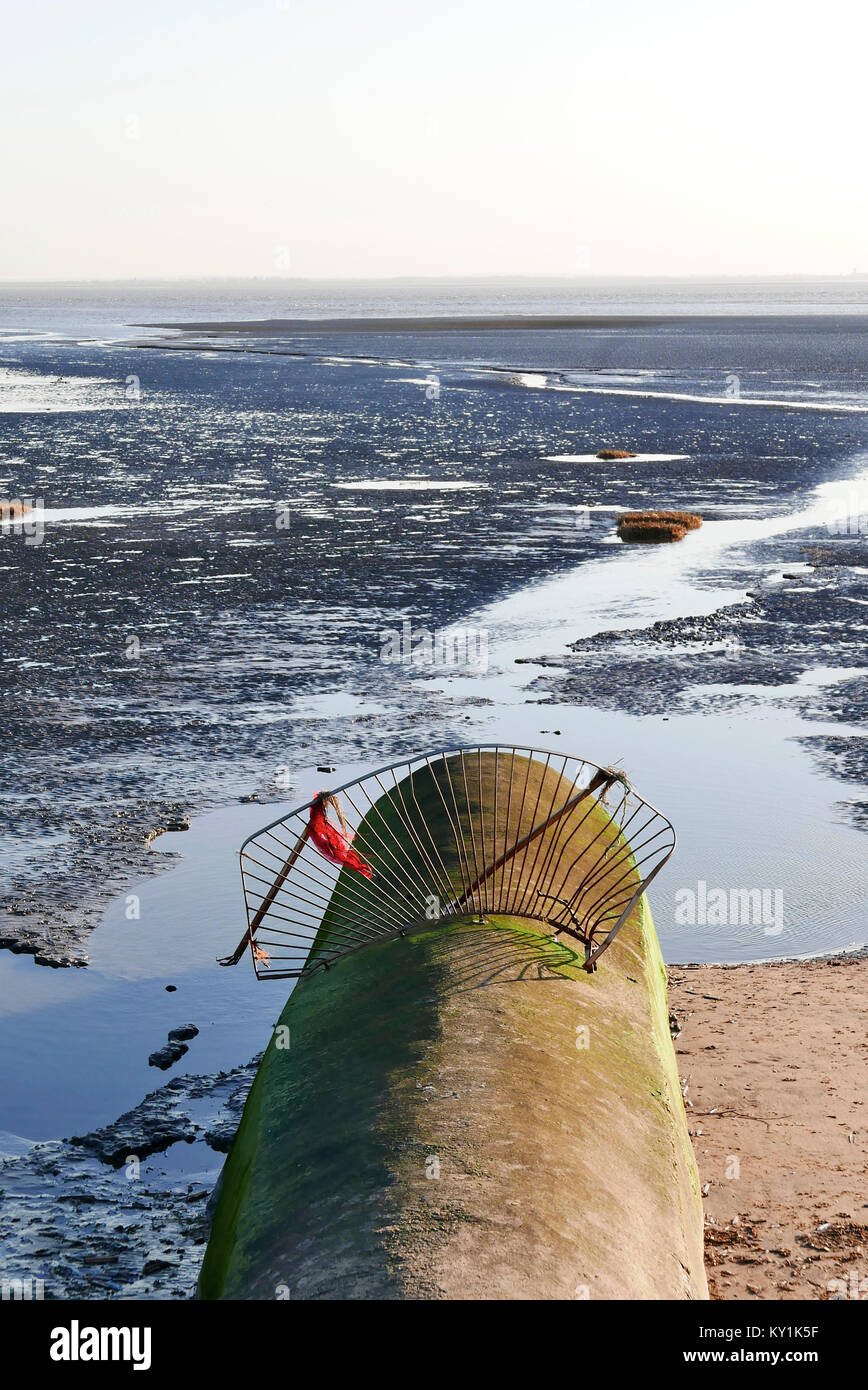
(397, 141)
(287, 281)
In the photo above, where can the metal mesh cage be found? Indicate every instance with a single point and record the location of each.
(489, 830)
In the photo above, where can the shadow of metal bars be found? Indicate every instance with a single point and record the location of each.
(483, 830)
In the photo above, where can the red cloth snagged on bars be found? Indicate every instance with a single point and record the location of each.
(334, 844)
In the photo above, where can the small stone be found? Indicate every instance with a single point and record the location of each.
(167, 1056)
(183, 1033)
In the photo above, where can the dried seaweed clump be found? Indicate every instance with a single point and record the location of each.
(655, 526)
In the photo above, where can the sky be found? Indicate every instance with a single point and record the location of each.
(367, 138)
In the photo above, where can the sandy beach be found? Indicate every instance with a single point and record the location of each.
(772, 1064)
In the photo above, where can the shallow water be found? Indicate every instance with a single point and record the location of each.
(74, 1044)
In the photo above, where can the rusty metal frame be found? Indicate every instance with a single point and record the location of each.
(288, 886)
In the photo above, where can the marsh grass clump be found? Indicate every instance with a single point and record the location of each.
(615, 454)
(691, 521)
(654, 527)
(651, 531)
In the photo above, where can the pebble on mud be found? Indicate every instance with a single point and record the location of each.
(167, 1056)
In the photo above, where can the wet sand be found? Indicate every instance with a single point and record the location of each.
(773, 1057)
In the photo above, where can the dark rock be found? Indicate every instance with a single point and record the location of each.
(184, 1033)
(167, 1056)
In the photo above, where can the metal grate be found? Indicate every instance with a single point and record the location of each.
(483, 830)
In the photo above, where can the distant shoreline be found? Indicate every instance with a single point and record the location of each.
(432, 323)
(442, 323)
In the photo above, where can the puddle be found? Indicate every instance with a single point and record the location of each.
(409, 485)
(635, 458)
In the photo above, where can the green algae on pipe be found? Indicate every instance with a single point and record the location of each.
(465, 1113)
